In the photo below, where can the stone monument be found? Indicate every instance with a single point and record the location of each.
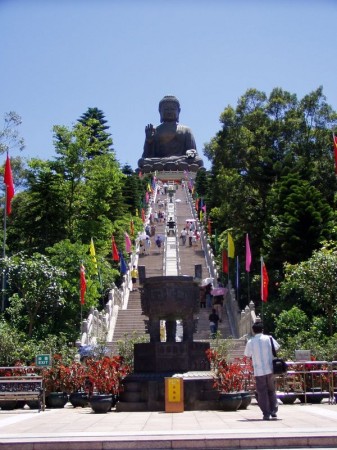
(169, 146)
(169, 299)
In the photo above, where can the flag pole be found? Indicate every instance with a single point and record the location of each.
(262, 288)
(4, 253)
(248, 287)
(237, 278)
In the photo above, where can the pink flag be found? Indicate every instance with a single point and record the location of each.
(83, 284)
(248, 254)
(128, 243)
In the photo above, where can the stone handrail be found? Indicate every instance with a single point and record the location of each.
(240, 323)
(100, 325)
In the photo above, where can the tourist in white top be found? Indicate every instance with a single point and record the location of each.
(259, 349)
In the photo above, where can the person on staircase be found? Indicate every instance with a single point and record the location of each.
(218, 300)
(183, 236)
(134, 277)
(213, 323)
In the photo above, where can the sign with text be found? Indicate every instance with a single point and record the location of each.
(302, 355)
(43, 360)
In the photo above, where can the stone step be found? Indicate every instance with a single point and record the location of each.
(131, 319)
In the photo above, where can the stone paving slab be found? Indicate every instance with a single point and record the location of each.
(298, 425)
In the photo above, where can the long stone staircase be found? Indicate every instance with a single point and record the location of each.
(131, 323)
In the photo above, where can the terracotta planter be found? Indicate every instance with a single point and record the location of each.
(56, 400)
(229, 401)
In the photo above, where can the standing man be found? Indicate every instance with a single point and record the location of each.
(259, 349)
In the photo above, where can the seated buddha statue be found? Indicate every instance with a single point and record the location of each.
(169, 146)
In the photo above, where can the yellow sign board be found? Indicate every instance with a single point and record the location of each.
(174, 391)
(174, 395)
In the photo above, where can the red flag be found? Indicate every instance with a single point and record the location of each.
(143, 215)
(248, 254)
(224, 261)
(8, 180)
(115, 254)
(83, 284)
(335, 150)
(132, 228)
(264, 282)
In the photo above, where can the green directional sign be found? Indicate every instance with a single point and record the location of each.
(43, 360)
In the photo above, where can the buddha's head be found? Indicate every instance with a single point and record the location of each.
(169, 109)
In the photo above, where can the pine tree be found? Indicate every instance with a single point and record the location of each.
(100, 140)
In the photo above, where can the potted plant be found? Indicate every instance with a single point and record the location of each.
(229, 380)
(77, 384)
(56, 382)
(104, 377)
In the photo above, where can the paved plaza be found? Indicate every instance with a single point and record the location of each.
(298, 425)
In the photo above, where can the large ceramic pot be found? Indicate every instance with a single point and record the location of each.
(8, 405)
(246, 398)
(79, 399)
(229, 401)
(34, 404)
(56, 400)
(101, 403)
(287, 398)
(312, 397)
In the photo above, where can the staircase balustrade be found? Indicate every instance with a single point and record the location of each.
(101, 325)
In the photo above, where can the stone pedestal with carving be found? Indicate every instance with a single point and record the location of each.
(176, 357)
(169, 298)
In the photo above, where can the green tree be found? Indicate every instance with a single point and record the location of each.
(100, 141)
(9, 135)
(133, 189)
(261, 140)
(40, 217)
(315, 280)
(35, 291)
(299, 221)
(291, 322)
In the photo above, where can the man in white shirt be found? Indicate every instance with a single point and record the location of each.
(259, 349)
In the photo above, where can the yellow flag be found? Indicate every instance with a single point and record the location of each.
(93, 255)
(231, 247)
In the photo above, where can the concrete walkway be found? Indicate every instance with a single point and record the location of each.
(298, 425)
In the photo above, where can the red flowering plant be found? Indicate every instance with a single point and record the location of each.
(229, 376)
(57, 377)
(106, 374)
(76, 377)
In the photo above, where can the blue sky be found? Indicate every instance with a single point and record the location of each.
(59, 57)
